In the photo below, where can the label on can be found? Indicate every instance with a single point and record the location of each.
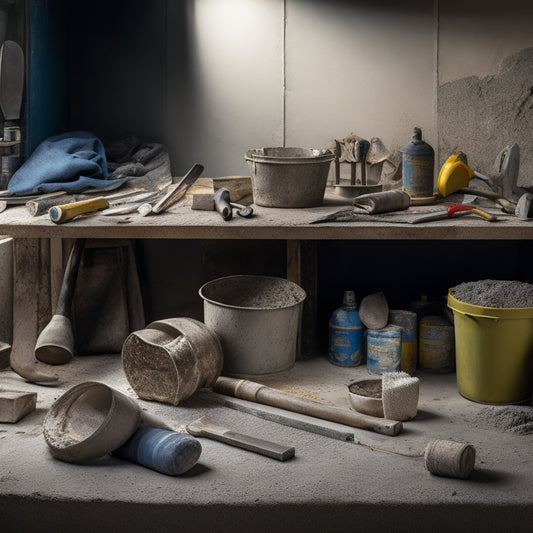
(384, 349)
(345, 345)
(436, 345)
(417, 176)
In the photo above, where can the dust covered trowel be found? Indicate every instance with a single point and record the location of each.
(11, 88)
(175, 193)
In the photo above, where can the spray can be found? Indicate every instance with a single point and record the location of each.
(418, 160)
(384, 349)
(346, 333)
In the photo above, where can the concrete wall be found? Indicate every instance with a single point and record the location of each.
(211, 78)
(302, 72)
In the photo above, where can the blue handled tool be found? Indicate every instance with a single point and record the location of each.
(161, 450)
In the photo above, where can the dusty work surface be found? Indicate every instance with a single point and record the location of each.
(181, 222)
(330, 484)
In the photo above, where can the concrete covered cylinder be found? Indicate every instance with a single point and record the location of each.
(171, 359)
(256, 319)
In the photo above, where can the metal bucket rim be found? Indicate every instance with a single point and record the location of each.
(66, 447)
(258, 156)
(301, 296)
(488, 312)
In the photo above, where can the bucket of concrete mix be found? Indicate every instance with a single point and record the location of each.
(256, 319)
(493, 351)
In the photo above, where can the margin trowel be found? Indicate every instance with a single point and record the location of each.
(11, 89)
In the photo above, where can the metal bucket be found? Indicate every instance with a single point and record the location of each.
(89, 421)
(289, 177)
(256, 319)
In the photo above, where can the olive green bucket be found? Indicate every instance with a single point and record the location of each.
(493, 352)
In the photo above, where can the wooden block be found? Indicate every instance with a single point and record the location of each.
(238, 186)
(5, 352)
(15, 405)
(200, 186)
(203, 202)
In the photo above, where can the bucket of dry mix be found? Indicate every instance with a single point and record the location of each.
(256, 319)
(493, 340)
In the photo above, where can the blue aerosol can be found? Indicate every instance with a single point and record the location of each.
(418, 160)
(346, 333)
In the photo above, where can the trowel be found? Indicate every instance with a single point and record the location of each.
(174, 192)
(204, 428)
(11, 89)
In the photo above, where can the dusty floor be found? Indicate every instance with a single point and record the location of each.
(329, 484)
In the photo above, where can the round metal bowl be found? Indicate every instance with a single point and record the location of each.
(365, 396)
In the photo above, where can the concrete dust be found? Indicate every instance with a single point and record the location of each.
(495, 293)
(517, 419)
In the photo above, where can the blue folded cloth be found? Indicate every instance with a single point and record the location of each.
(72, 162)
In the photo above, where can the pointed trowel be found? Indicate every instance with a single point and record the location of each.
(11, 79)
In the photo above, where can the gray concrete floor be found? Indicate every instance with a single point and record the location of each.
(329, 484)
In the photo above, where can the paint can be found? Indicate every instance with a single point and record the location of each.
(436, 345)
(346, 333)
(384, 349)
(418, 160)
(407, 320)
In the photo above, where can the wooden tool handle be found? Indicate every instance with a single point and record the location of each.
(203, 428)
(484, 214)
(248, 390)
(64, 213)
(66, 293)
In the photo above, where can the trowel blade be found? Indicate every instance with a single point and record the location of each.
(11, 79)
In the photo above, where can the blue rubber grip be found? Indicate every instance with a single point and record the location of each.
(161, 450)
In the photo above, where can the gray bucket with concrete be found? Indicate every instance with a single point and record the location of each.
(256, 319)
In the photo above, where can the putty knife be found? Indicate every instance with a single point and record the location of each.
(175, 193)
(203, 428)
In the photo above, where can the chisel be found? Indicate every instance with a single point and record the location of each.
(65, 212)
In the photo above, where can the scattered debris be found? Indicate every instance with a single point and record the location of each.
(516, 419)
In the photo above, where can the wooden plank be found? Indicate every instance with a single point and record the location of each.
(302, 270)
(284, 417)
(6, 292)
(31, 306)
(181, 222)
(294, 268)
(57, 259)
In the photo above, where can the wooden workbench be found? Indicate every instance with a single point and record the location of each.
(38, 246)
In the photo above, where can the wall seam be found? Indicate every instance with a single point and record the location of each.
(284, 76)
(436, 50)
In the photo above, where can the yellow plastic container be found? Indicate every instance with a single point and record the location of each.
(493, 352)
